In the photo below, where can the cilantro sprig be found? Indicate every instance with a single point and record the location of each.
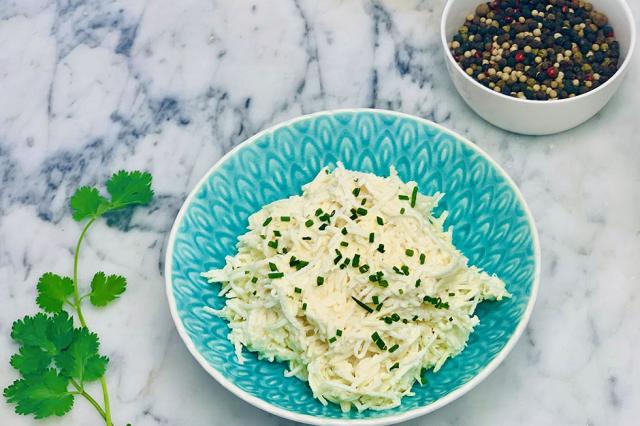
(55, 359)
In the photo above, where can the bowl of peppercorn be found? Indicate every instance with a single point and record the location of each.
(537, 67)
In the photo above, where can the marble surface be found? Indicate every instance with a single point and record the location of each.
(88, 87)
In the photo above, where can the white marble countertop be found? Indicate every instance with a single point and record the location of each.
(88, 87)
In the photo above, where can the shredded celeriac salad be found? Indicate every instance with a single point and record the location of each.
(356, 284)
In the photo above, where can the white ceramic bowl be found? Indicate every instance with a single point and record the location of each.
(537, 117)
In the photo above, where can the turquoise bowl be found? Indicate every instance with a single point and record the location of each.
(492, 226)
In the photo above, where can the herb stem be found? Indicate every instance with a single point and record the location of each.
(106, 413)
(81, 391)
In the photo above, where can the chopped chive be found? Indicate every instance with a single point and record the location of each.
(306, 238)
(345, 263)
(363, 202)
(378, 307)
(356, 260)
(301, 264)
(436, 302)
(304, 306)
(344, 231)
(452, 294)
(371, 237)
(254, 280)
(338, 332)
(267, 221)
(401, 291)
(273, 244)
(405, 269)
(264, 237)
(394, 366)
(414, 196)
(393, 348)
(356, 191)
(320, 280)
(308, 223)
(362, 305)
(285, 218)
(378, 340)
(418, 282)
(387, 320)
(405, 321)
(415, 317)
(325, 217)
(285, 250)
(396, 270)
(375, 299)
(333, 339)
(337, 258)
(383, 283)
(273, 266)
(380, 248)
(379, 220)
(318, 212)
(297, 290)
(422, 258)
(361, 211)
(338, 252)
(275, 275)
(403, 197)
(293, 261)
(322, 227)
(344, 243)
(408, 252)
(373, 278)
(364, 268)
(395, 317)
(277, 233)
(402, 210)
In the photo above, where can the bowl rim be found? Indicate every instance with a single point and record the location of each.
(325, 421)
(620, 72)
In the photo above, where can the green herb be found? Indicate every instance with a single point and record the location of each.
(364, 269)
(356, 192)
(393, 348)
(333, 339)
(436, 302)
(395, 317)
(320, 281)
(388, 320)
(380, 248)
(402, 210)
(323, 227)
(379, 220)
(267, 221)
(345, 263)
(452, 294)
(285, 250)
(422, 258)
(383, 283)
(275, 275)
(405, 269)
(371, 237)
(415, 318)
(356, 260)
(285, 218)
(403, 197)
(297, 290)
(344, 231)
(277, 233)
(304, 306)
(378, 340)
(375, 299)
(318, 212)
(273, 244)
(361, 211)
(338, 332)
(418, 282)
(55, 359)
(414, 196)
(272, 266)
(362, 305)
(254, 280)
(408, 252)
(308, 223)
(379, 306)
(306, 238)
(394, 366)
(344, 243)
(363, 202)
(301, 264)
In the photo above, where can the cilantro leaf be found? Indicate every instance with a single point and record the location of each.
(42, 396)
(87, 202)
(81, 359)
(129, 188)
(51, 334)
(105, 289)
(30, 360)
(53, 291)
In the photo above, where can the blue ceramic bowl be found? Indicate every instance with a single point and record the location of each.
(492, 226)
